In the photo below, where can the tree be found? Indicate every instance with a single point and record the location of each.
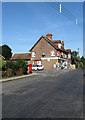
(1, 50)
(6, 52)
(82, 60)
(74, 57)
(2, 64)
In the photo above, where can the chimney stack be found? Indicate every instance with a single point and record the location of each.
(49, 36)
(62, 44)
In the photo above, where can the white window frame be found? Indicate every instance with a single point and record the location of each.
(52, 52)
(59, 45)
(65, 55)
(69, 56)
(33, 54)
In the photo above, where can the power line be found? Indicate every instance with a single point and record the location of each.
(57, 8)
(64, 12)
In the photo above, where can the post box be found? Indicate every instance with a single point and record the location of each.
(30, 68)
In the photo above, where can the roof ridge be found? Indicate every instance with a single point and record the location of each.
(21, 53)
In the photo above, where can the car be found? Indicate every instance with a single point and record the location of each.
(37, 67)
(40, 67)
(34, 67)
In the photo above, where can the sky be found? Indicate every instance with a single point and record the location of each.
(23, 23)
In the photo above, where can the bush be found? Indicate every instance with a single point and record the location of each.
(3, 73)
(24, 69)
(19, 72)
(2, 64)
(22, 64)
(81, 65)
(15, 68)
(9, 73)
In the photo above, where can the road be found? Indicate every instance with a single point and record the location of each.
(51, 94)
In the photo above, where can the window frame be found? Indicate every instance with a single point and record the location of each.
(33, 55)
(52, 53)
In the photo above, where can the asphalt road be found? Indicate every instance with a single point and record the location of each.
(51, 94)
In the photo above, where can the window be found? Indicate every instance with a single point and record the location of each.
(69, 56)
(33, 54)
(52, 52)
(65, 56)
(59, 45)
(58, 53)
(43, 54)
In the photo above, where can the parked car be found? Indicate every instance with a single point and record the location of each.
(40, 67)
(34, 67)
(37, 67)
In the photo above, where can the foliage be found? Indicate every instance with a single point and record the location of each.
(15, 66)
(22, 64)
(2, 64)
(25, 69)
(1, 50)
(6, 52)
(74, 57)
(82, 62)
(3, 73)
(81, 65)
(75, 60)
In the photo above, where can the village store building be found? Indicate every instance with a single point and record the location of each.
(50, 53)
(47, 52)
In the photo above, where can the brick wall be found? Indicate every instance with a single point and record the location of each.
(43, 47)
(49, 64)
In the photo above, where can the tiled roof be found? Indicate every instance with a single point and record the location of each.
(68, 50)
(51, 43)
(24, 56)
(56, 41)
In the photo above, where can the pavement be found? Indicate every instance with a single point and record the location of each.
(17, 77)
(51, 94)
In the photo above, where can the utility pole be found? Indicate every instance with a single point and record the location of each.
(78, 57)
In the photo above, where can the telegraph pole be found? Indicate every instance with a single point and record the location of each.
(78, 57)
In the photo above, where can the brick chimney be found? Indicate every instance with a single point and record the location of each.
(49, 36)
(62, 45)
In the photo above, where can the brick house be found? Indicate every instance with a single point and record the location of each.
(50, 52)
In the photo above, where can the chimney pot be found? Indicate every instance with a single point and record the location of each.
(49, 36)
(62, 44)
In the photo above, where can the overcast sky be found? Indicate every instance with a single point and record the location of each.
(24, 23)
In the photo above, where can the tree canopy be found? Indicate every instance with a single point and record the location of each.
(74, 57)
(6, 52)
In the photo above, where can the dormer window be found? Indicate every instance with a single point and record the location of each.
(33, 54)
(52, 52)
(59, 45)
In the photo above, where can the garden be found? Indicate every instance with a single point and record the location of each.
(13, 68)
